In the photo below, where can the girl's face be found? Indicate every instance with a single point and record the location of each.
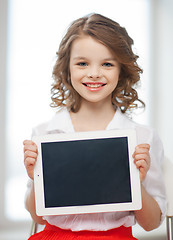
(94, 70)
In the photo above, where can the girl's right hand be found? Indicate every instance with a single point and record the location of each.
(30, 157)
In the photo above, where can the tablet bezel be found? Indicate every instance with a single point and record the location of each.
(136, 204)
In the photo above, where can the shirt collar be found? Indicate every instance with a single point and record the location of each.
(120, 121)
(61, 122)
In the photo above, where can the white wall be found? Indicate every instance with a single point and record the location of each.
(4, 223)
(3, 45)
(162, 67)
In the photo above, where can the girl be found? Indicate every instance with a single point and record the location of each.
(94, 78)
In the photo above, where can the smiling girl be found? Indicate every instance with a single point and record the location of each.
(94, 73)
(94, 86)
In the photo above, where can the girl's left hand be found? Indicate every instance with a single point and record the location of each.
(142, 159)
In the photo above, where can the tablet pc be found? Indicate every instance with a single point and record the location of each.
(86, 172)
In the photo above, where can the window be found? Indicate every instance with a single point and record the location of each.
(34, 33)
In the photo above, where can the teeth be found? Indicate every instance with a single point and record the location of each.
(94, 85)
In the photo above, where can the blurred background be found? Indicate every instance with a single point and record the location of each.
(30, 33)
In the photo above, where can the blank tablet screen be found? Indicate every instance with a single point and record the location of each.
(86, 172)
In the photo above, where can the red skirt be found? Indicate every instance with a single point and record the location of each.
(54, 233)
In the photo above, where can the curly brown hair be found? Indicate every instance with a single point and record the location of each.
(116, 38)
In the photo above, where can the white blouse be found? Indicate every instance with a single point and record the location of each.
(153, 182)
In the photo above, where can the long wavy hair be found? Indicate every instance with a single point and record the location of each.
(116, 38)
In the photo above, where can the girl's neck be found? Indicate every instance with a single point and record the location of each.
(92, 117)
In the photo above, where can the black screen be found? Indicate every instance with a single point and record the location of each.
(86, 172)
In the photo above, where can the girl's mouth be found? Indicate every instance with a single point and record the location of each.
(94, 86)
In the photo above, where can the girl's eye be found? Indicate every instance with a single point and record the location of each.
(107, 64)
(82, 64)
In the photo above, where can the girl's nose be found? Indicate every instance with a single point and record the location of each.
(94, 73)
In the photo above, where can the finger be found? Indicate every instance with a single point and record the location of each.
(29, 145)
(30, 154)
(28, 142)
(32, 148)
(143, 146)
(142, 174)
(139, 150)
(142, 156)
(143, 169)
(29, 161)
(142, 164)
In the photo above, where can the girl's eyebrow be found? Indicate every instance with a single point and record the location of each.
(84, 58)
(109, 59)
(79, 58)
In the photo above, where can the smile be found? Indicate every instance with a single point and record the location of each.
(94, 85)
